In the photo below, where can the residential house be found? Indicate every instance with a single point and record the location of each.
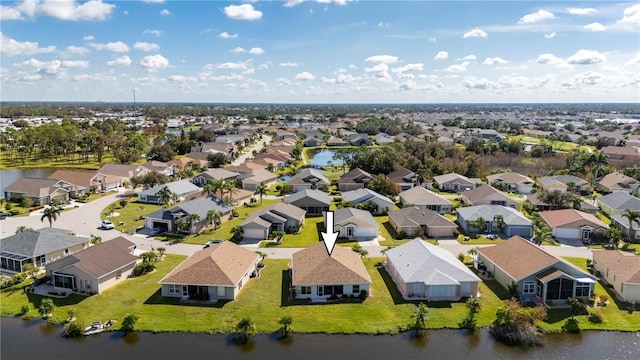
(353, 223)
(86, 181)
(277, 217)
(622, 223)
(620, 269)
(563, 183)
(38, 247)
(403, 177)
(622, 152)
(359, 140)
(617, 181)
(161, 167)
(215, 273)
(540, 277)
(94, 269)
(364, 196)
(415, 221)
(424, 271)
(617, 202)
(511, 182)
(334, 141)
(488, 195)
(537, 202)
(40, 191)
(123, 172)
(314, 202)
(182, 188)
(354, 179)
(455, 182)
(425, 199)
(188, 163)
(383, 139)
(572, 224)
(319, 277)
(281, 135)
(214, 174)
(311, 141)
(169, 220)
(308, 179)
(251, 180)
(499, 219)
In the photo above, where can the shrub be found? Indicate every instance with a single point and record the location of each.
(468, 323)
(571, 326)
(461, 257)
(73, 329)
(603, 299)
(143, 268)
(24, 310)
(14, 280)
(337, 199)
(46, 307)
(363, 295)
(577, 306)
(129, 323)
(595, 317)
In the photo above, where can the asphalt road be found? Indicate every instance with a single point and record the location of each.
(85, 220)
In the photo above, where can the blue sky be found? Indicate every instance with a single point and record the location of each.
(325, 51)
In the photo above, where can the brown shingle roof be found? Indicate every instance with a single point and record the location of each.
(565, 216)
(314, 266)
(105, 258)
(518, 257)
(625, 265)
(75, 177)
(222, 264)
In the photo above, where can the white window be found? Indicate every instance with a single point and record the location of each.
(87, 284)
(174, 289)
(220, 291)
(305, 290)
(583, 289)
(528, 287)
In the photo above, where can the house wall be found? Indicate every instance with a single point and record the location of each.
(311, 206)
(626, 291)
(403, 287)
(631, 292)
(441, 231)
(55, 255)
(115, 277)
(81, 278)
(350, 186)
(314, 297)
(359, 230)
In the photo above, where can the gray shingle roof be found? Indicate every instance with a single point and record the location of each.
(421, 196)
(511, 216)
(620, 200)
(104, 258)
(181, 187)
(363, 195)
(306, 176)
(344, 214)
(39, 242)
(411, 216)
(319, 196)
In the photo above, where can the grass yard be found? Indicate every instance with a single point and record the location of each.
(37, 163)
(334, 172)
(309, 235)
(263, 299)
(130, 215)
(388, 232)
(479, 241)
(557, 145)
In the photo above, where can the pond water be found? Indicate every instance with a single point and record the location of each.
(19, 337)
(322, 157)
(10, 175)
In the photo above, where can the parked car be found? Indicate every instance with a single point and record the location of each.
(492, 236)
(209, 243)
(3, 215)
(107, 225)
(155, 231)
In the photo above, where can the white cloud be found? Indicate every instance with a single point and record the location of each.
(264, 66)
(165, 12)
(152, 32)
(289, 64)
(408, 67)
(341, 79)
(456, 68)
(94, 78)
(181, 78)
(432, 40)
(635, 60)
(475, 33)
(77, 50)
(550, 35)
(69, 10)
(48, 69)
(145, 46)
(153, 63)
(383, 24)
(233, 66)
(9, 13)
(76, 64)
(292, 3)
(580, 11)
(441, 55)
(385, 59)
(587, 78)
(549, 59)
(539, 15)
(494, 60)
(153, 1)
(596, 26)
(631, 15)
(11, 47)
(380, 71)
(121, 61)
(238, 50)
(256, 51)
(242, 12)
(117, 46)
(88, 38)
(338, 2)
(585, 57)
(468, 58)
(226, 35)
(472, 82)
(304, 76)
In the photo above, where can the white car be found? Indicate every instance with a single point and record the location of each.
(107, 225)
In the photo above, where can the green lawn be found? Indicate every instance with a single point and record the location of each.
(130, 215)
(557, 145)
(309, 234)
(37, 163)
(263, 299)
(480, 240)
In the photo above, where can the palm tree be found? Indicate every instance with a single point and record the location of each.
(596, 161)
(634, 217)
(236, 233)
(261, 189)
(285, 321)
(230, 188)
(420, 316)
(95, 240)
(210, 187)
(23, 228)
(480, 223)
(244, 328)
(164, 195)
(191, 220)
(499, 219)
(51, 214)
(218, 184)
(542, 233)
(473, 252)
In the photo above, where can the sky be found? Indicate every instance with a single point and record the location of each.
(320, 51)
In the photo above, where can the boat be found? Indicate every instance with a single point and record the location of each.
(95, 328)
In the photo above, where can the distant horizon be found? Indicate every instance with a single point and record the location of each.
(320, 51)
(312, 103)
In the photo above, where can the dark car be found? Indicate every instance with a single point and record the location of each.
(3, 215)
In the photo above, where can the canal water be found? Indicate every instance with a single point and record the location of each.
(8, 176)
(35, 339)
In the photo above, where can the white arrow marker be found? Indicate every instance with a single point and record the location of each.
(329, 237)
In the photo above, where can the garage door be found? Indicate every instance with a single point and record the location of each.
(525, 232)
(441, 291)
(253, 234)
(366, 233)
(566, 233)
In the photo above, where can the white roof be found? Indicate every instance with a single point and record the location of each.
(419, 261)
